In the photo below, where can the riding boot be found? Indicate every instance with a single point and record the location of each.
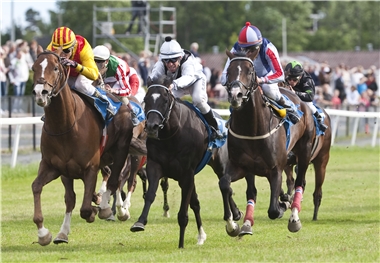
(110, 108)
(322, 126)
(135, 120)
(292, 114)
(210, 118)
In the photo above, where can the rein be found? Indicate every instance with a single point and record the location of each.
(165, 118)
(54, 86)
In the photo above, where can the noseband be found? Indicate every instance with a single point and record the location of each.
(165, 117)
(43, 81)
(237, 82)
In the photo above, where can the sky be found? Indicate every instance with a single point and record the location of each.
(19, 9)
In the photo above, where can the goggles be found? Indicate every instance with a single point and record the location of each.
(99, 61)
(249, 49)
(295, 79)
(172, 60)
(67, 50)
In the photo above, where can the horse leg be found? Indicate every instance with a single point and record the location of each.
(122, 207)
(232, 228)
(276, 210)
(294, 224)
(142, 174)
(287, 197)
(70, 197)
(154, 173)
(106, 172)
(45, 176)
(195, 206)
(87, 211)
(251, 195)
(320, 164)
(165, 187)
(187, 188)
(105, 211)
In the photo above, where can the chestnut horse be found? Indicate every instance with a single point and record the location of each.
(259, 142)
(70, 143)
(177, 141)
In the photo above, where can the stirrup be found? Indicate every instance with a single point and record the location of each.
(323, 127)
(215, 134)
(293, 117)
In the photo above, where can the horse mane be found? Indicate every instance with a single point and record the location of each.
(240, 53)
(163, 80)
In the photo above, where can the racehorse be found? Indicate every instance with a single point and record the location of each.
(70, 139)
(177, 141)
(258, 144)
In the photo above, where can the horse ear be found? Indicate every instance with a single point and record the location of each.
(229, 54)
(39, 49)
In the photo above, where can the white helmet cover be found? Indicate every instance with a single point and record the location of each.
(171, 49)
(101, 52)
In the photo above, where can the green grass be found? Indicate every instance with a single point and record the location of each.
(347, 229)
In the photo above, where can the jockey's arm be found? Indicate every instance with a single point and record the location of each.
(88, 67)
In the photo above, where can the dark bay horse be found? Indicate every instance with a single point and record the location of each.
(177, 141)
(320, 156)
(70, 143)
(258, 143)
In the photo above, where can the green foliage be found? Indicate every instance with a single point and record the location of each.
(347, 229)
(346, 24)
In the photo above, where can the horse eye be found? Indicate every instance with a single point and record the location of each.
(56, 68)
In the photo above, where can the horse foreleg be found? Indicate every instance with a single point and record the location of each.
(195, 206)
(165, 187)
(106, 172)
(320, 172)
(232, 228)
(287, 197)
(275, 181)
(122, 210)
(44, 177)
(251, 194)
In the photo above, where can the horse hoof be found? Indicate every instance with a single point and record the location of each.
(245, 230)
(44, 241)
(124, 217)
(138, 227)
(235, 232)
(294, 226)
(61, 238)
(105, 213)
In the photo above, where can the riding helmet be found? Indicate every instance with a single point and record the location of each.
(293, 69)
(63, 37)
(170, 49)
(250, 36)
(101, 52)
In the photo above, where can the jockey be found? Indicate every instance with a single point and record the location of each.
(188, 78)
(77, 53)
(266, 62)
(301, 83)
(117, 77)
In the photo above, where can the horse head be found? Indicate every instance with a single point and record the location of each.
(241, 79)
(49, 76)
(158, 102)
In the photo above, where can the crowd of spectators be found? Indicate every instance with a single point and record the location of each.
(339, 88)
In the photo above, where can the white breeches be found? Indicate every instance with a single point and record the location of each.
(272, 91)
(198, 93)
(82, 84)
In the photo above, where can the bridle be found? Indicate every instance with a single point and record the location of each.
(164, 117)
(58, 80)
(249, 87)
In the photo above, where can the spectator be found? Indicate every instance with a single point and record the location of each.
(335, 100)
(138, 11)
(33, 49)
(362, 86)
(353, 96)
(3, 73)
(109, 46)
(143, 66)
(194, 49)
(372, 86)
(19, 75)
(312, 70)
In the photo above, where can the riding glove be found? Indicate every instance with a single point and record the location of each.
(69, 62)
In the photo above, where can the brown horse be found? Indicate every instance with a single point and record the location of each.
(70, 140)
(258, 144)
(177, 141)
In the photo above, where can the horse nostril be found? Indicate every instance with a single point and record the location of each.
(240, 95)
(44, 92)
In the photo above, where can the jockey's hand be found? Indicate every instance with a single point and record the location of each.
(107, 87)
(171, 87)
(113, 91)
(258, 80)
(69, 62)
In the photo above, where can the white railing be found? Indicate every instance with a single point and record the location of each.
(334, 114)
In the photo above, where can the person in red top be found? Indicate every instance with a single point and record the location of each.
(117, 77)
(77, 53)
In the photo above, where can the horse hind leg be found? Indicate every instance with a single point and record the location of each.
(165, 187)
(320, 172)
(195, 206)
(232, 228)
(251, 194)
